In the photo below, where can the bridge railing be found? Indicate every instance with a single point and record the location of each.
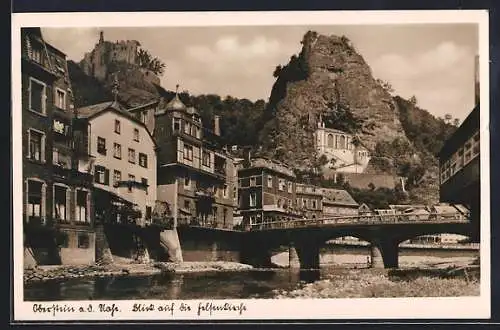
(362, 220)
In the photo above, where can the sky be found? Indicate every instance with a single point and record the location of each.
(434, 62)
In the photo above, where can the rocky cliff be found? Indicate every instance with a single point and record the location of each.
(328, 77)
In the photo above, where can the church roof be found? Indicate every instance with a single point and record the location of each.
(175, 104)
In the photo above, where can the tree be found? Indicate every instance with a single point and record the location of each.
(447, 118)
(147, 61)
(386, 86)
(413, 100)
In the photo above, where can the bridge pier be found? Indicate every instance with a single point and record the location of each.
(308, 252)
(293, 258)
(384, 253)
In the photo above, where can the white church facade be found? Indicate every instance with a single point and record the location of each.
(343, 154)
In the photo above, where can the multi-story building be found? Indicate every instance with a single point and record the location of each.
(266, 193)
(345, 154)
(124, 156)
(309, 200)
(56, 193)
(196, 177)
(338, 202)
(459, 163)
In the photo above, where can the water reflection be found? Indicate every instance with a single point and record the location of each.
(229, 285)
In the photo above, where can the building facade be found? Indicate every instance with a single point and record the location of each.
(338, 202)
(267, 193)
(342, 150)
(309, 200)
(459, 165)
(124, 161)
(196, 177)
(57, 194)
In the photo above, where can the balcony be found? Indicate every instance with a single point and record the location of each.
(72, 175)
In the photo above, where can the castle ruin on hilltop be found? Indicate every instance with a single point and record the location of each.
(96, 63)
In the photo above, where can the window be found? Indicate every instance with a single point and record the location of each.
(224, 191)
(131, 177)
(60, 202)
(60, 99)
(330, 140)
(342, 142)
(187, 182)
(281, 186)
(131, 155)
(304, 203)
(253, 199)
(289, 187)
(177, 124)
(117, 177)
(34, 199)
(143, 117)
(37, 96)
(187, 204)
(198, 132)
(205, 158)
(36, 54)
(314, 204)
(83, 241)
(188, 152)
(101, 175)
(136, 134)
(269, 181)
(117, 151)
(253, 181)
(143, 160)
(144, 182)
(187, 127)
(475, 147)
(117, 126)
(36, 145)
(101, 145)
(81, 206)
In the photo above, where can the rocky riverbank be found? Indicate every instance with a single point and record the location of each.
(61, 272)
(381, 284)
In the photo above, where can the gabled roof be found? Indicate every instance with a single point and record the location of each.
(338, 196)
(142, 106)
(95, 110)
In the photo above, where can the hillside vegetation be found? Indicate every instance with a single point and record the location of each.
(329, 78)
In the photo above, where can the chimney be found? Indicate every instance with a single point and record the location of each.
(216, 125)
(476, 79)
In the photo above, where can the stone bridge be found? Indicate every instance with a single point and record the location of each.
(385, 233)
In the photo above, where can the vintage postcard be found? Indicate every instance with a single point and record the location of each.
(251, 165)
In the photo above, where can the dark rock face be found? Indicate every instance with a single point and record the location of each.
(326, 74)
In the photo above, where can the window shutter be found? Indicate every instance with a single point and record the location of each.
(106, 176)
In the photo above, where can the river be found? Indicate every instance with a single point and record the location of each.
(227, 285)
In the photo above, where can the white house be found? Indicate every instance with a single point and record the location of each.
(124, 156)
